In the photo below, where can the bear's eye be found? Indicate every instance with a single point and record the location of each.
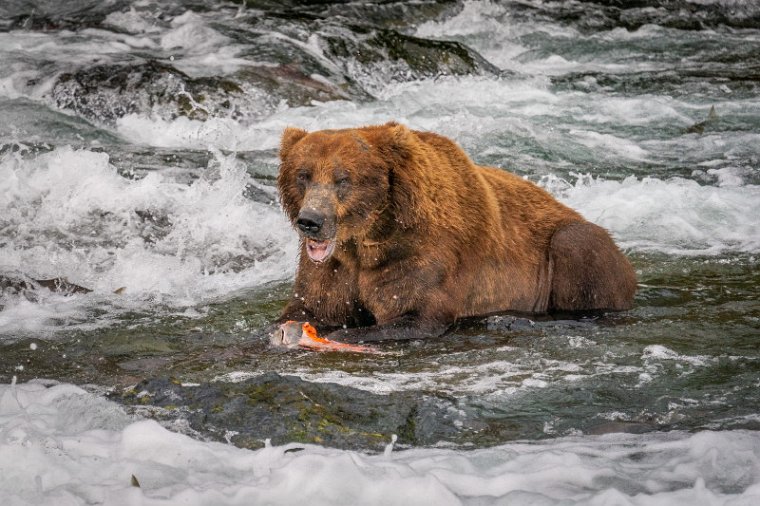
(343, 185)
(303, 177)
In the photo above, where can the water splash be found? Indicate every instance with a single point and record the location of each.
(69, 213)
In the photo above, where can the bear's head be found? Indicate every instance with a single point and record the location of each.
(336, 185)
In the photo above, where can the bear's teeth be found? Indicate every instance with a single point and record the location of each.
(319, 251)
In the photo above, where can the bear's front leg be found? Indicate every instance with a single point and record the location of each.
(406, 299)
(296, 310)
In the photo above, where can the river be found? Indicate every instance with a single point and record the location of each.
(138, 156)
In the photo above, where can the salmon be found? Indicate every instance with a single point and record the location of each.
(293, 334)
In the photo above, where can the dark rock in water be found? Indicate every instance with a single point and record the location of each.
(508, 323)
(77, 14)
(293, 84)
(699, 127)
(37, 124)
(108, 92)
(388, 14)
(598, 15)
(363, 56)
(135, 162)
(105, 93)
(186, 166)
(56, 15)
(378, 12)
(710, 82)
(287, 409)
(19, 284)
(374, 48)
(299, 53)
(292, 70)
(355, 55)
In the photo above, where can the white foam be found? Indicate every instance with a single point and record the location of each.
(198, 49)
(731, 176)
(65, 46)
(658, 352)
(61, 445)
(22, 317)
(219, 133)
(133, 21)
(416, 103)
(613, 146)
(509, 42)
(507, 372)
(485, 28)
(677, 216)
(476, 17)
(74, 216)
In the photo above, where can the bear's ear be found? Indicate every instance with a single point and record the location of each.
(289, 137)
(399, 134)
(396, 143)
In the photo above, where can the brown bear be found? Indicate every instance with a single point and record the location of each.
(402, 234)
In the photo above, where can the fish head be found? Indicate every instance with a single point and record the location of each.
(287, 335)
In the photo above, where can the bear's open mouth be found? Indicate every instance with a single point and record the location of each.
(319, 251)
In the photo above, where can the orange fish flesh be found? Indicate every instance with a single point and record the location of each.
(292, 334)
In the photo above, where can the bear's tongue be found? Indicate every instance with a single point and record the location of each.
(319, 251)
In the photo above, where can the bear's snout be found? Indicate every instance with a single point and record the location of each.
(310, 221)
(319, 232)
(317, 217)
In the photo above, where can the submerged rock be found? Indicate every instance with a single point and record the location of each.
(288, 409)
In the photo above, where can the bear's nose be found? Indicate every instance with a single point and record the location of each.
(310, 222)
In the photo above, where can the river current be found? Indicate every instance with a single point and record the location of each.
(138, 151)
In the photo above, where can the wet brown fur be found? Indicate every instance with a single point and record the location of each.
(424, 237)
